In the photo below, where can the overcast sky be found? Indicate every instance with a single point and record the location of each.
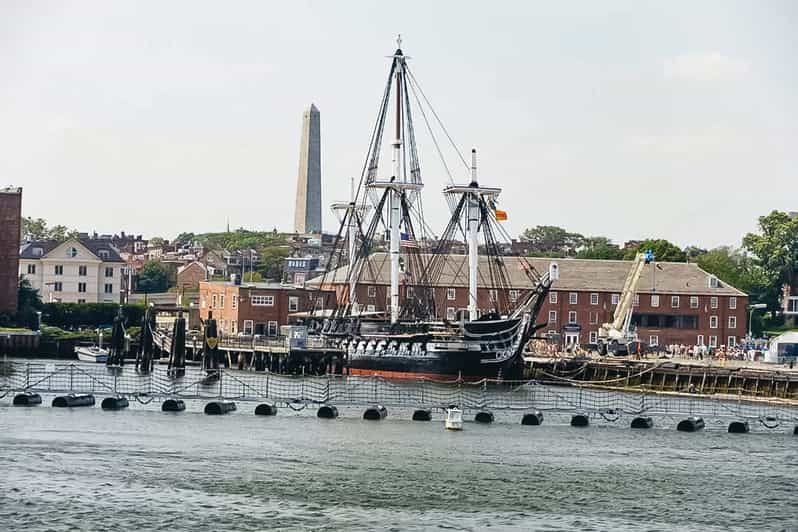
(627, 119)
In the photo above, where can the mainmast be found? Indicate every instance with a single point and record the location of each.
(395, 200)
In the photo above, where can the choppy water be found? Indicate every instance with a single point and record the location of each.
(140, 469)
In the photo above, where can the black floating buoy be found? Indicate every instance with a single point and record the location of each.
(422, 415)
(114, 403)
(484, 417)
(27, 399)
(173, 405)
(327, 412)
(532, 418)
(739, 427)
(642, 423)
(265, 409)
(217, 408)
(73, 399)
(580, 420)
(375, 413)
(691, 424)
(795, 431)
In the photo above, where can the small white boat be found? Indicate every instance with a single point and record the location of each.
(454, 419)
(92, 354)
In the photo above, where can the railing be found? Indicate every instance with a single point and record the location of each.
(356, 390)
(163, 339)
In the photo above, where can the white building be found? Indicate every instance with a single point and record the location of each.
(76, 271)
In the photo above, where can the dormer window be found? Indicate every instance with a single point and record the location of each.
(37, 252)
(713, 282)
(103, 253)
(71, 252)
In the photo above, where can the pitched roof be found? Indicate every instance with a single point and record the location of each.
(93, 245)
(575, 275)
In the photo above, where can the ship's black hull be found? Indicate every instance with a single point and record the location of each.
(452, 365)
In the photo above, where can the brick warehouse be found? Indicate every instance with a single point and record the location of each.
(676, 303)
(10, 229)
(251, 308)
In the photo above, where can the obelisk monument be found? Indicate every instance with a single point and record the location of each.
(307, 216)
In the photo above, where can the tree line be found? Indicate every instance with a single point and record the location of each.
(765, 260)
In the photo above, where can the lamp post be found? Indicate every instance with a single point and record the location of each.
(751, 309)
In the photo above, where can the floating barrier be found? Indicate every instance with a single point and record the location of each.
(484, 417)
(27, 399)
(422, 415)
(73, 399)
(114, 403)
(642, 423)
(580, 420)
(173, 405)
(795, 431)
(691, 424)
(533, 418)
(265, 409)
(327, 412)
(739, 427)
(217, 408)
(375, 413)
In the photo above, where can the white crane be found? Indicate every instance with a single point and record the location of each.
(616, 336)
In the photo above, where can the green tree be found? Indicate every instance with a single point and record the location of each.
(663, 250)
(156, 241)
(28, 303)
(776, 249)
(550, 240)
(185, 238)
(599, 247)
(152, 277)
(693, 252)
(733, 267)
(252, 277)
(272, 261)
(34, 228)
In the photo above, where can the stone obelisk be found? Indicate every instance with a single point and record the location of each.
(307, 216)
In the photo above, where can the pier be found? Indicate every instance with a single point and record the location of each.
(478, 399)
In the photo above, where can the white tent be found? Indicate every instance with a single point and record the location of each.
(782, 347)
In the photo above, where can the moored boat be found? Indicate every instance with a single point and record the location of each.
(91, 354)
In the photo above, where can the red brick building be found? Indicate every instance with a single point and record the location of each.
(10, 229)
(252, 308)
(677, 303)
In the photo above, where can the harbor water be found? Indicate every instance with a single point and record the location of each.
(141, 469)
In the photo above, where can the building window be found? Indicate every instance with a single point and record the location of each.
(81, 287)
(372, 291)
(713, 341)
(653, 340)
(233, 326)
(109, 288)
(82, 271)
(593, 318)
(262, 301)
(248, 327)
(594, 299)
(234, 302)
(593, 337)
(573, 298)
(81, 301)
(572, 316)
(299, 278)
(713, 302)
(553, 298)
(792, 305)
(674, 301)
(103, 253)
(699, 340)
(370, 308)
(59, 269)
(31, 268)
(654, 300)
(450, 314)
(693, 301)
(451, 294)
(733, 303)
(492, 295)
(293, 304)
(713, 322)
(732, 341)
(221, 300)
(272, 328)
(552, 316)
(71, 253)
(410, 292)
(109, 271)
(615, 298)
(58, 287)
(732, 322)
(213, 301)
(513, 296)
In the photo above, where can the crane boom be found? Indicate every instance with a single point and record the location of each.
(619, 329)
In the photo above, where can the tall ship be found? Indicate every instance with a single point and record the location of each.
(388, 298)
